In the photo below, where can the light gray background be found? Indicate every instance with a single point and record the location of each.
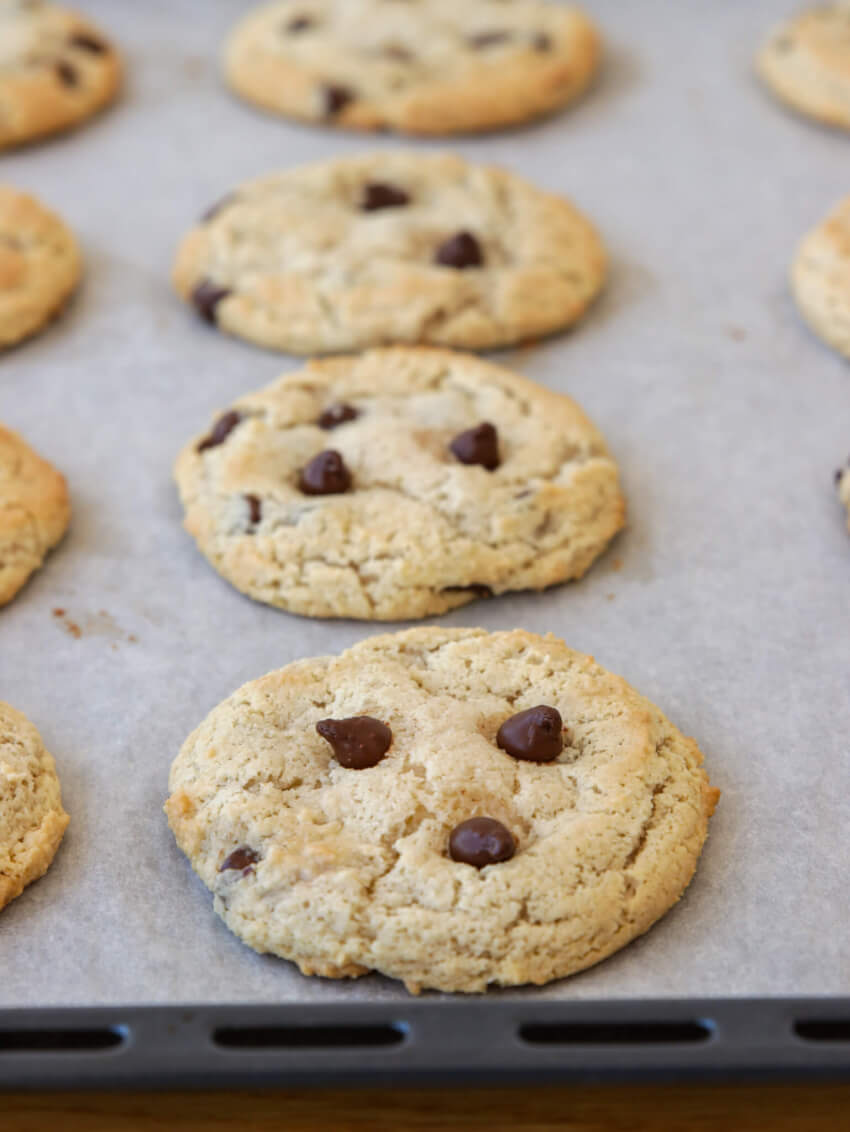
(730, 609)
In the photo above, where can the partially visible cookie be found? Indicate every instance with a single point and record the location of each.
(390, 247)
(40, 265)
(842, 486)
(401, 483)
(428, 67)
(34, 512)
(450, 807)
(56, 69)
(32, 820)
(806, 63)
(820, 278)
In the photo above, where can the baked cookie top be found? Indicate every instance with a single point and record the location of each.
(806, 63)
(32, 820)
(820, 277)
(418, 66)
(34, 512)
(40, 265)
(400, 483)
(390, 247)
(450, 807)
(56, 69)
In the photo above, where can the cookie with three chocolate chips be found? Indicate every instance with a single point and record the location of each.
(417, 66)
(451, 807)
(399, 483)
(389, 248)
(56, 69)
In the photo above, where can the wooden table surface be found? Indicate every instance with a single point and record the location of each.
(683, 1108)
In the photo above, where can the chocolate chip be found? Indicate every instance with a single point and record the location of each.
(255, 508)
(542, 42)
(335, 415)
(461, 250)
(535, 736)
(88, 42)
(299, 23)
(358, 742)
(326, 474)
(206, 297)
(336, 98)
(381, 195)
(220, 430)
(479, 445)
(477, 588)
(483, 39)
(216, 208)
(241, 858)
(67, 74)
(480, 842)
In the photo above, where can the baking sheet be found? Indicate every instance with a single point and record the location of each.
(726, 601)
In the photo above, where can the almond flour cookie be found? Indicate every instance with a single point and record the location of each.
(56, 69)
(32, 820)
(390, 247)
(34, 512)
(806, 63)
(401, 483)
(40, 265)
(418, 66)
(451, 807)
(820, 278)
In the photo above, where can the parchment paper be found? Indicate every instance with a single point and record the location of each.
(727, 601)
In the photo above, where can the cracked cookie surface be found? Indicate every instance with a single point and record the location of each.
(34, 512)
(417, 66)
(347, 870)
(40, 265)
(32, 820)
(415, 530)
(56, 69)
(390, 247)
(820, 278)
(806, 63)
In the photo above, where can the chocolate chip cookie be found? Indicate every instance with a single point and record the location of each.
(32, 820)
(820, 278)
(386, 248)
(40, 265)
(451, 807)
(34, 512)
(418, 66)
(56, 69)
(400, 483)
(806, 63)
